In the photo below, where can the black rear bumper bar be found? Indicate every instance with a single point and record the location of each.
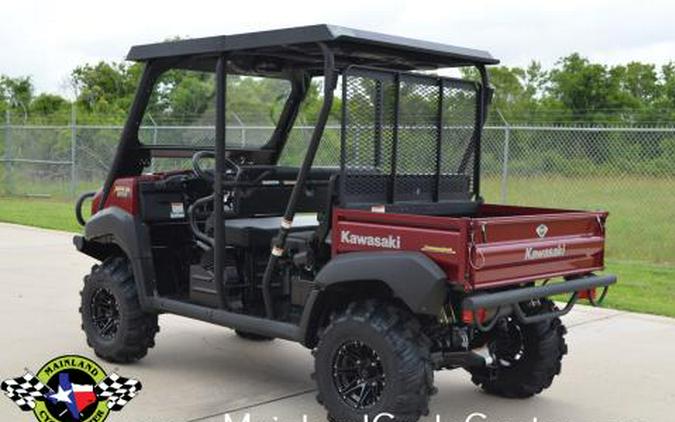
(508, 302)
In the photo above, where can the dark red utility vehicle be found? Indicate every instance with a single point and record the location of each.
(368, 241)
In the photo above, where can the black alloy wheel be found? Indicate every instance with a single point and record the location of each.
(105, 313)
(358, 374)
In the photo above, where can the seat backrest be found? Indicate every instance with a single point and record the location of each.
(271, 195)
(412, 193)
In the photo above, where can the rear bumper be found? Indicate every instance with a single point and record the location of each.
(508, 302)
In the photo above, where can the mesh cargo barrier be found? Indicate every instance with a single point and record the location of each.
(407, 138)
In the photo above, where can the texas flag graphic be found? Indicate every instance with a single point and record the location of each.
(70, 398)
(75, 397)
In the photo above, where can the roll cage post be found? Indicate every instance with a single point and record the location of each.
(287, 220)
(123, 164)
(480, 120)
(219, 227)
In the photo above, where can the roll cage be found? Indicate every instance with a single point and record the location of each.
(298, 54)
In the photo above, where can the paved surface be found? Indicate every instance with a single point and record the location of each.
(620, 367)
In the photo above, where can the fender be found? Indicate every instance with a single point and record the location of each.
(131, 235)
(414, 278)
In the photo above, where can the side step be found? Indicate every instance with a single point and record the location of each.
(256, 325)
(467, 359)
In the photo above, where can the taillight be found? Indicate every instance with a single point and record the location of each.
(588, 294)
(470, 317)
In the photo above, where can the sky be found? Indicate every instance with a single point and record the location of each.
(47, 39)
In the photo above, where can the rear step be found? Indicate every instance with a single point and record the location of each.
(508, 302)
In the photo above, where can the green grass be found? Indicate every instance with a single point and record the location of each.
(643, 287)
(50, 214)
(641, 223)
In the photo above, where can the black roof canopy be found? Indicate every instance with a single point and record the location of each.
(298, 46)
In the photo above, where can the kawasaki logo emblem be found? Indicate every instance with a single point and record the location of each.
(389, 242)
(532, 253)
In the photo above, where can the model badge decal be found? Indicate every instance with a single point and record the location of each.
(532, 253)
(438, 249)
(388, 242)
(122, 191)
(542, 229)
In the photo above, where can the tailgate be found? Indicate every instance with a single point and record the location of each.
(517, 248)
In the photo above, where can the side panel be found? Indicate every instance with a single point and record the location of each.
(123, 195)
(443, 240)
(501, 245)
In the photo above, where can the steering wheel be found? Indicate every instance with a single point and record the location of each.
(232, 169)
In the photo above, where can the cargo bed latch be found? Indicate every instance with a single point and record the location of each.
(483, 230)
(600, 223)
(474, 250)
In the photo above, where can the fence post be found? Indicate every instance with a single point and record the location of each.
(73, 149)
(8, 153)
(243, 129)
(154, 140)
(505, 162)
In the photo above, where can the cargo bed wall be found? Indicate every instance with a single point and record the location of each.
(514, 245)
(502, 245)
(442, 239)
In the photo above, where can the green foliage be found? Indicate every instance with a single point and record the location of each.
(16, 91)
(47, 104)
(575, 90)
(105, 88)
(578, 91)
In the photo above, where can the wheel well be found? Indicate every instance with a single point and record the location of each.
(338, 296)
(101, 248)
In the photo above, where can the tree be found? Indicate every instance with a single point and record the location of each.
(665, 104)
(46, 104)
(17, 92)
(106, 87)
(517, 90)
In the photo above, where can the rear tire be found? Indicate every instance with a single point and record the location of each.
(252, 336)
(115, 325)
(528, 369)
(373, 359)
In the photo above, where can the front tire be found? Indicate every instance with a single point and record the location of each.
(528, 356)
(373, 359)
(112, 319)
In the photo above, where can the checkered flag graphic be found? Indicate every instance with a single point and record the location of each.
(25, 390)
(117, 391)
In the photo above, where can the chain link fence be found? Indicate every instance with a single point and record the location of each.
(628, 171)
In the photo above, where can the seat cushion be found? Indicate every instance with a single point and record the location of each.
(259, 231)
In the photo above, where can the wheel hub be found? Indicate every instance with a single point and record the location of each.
(507, 348)
(105, 313)
(358, 374)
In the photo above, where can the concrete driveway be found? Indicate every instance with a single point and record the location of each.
(620, 367)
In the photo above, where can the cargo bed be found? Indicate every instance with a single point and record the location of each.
(496, 246)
